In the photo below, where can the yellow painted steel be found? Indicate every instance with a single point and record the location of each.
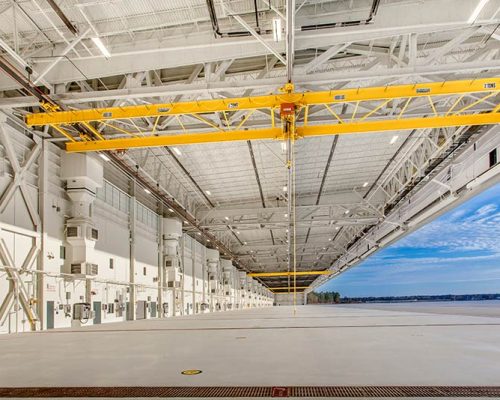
(290, 273)
(277, 133)
(287, 288)
(175, 140)
(269, 101)
(398, 124)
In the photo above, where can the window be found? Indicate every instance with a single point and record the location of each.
(62, 253)
(144, 271)
(111, 263)
(493, 157)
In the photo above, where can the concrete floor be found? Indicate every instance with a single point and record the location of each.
(321, 345)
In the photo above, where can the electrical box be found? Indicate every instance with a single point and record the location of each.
(287, 109)
(82, 313)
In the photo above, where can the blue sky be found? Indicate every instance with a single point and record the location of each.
(457, 253)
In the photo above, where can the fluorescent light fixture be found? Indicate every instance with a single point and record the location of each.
(104, 156)
(285, 188)
(346, 212)
(226, 218)
(286, 215)
(283, 147)
(170, 210)
(199, 233)
(185, 222)
(365, 184)
(177, 151)
(208, 192)
(477, 11)
(237, 232)
(277, 31)
(337, 228)
(330, 239)
(394, 139)
(147, 191)
(100, 45)
(244, 242)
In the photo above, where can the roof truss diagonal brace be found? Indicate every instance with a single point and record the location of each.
(314, 64)
(259, 38)
(65, 51)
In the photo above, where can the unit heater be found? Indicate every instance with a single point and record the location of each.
(84, 269)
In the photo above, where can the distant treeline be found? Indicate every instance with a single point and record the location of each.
(323, 297)
(401, 299)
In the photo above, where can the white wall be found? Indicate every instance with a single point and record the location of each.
(287, 299)
(111, 213)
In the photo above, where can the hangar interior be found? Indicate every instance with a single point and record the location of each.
(173, 158)
(200, 193)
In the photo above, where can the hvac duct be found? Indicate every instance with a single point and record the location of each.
(228, 276)
(249, 292)
(83, 175)
(172, 268)
(242, 277)
(172, 232)
(214, 279)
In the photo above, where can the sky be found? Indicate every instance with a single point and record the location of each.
(457, 253)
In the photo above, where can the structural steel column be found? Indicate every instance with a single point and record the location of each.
(132, 295)
(183, 276)
(43, 171)
(161, 274)
(203, 272)
(193, 259)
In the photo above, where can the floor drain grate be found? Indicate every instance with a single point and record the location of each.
(254, 391)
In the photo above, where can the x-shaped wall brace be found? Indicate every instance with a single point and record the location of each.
(19, 174)
(16, 281)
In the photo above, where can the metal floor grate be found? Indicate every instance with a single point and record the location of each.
(254, 391)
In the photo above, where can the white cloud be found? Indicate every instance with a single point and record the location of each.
(478, 231)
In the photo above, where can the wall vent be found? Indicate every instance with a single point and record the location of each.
(72, 231)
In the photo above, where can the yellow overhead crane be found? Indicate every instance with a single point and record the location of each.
(289, 288)
(289, 273)
(444, 106)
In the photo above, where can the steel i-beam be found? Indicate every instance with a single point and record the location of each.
(288, 273)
